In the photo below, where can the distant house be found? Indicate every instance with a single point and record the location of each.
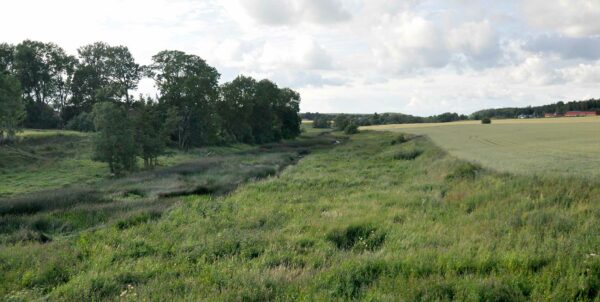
(552, 115)
(580, 113)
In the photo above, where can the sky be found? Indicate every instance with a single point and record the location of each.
(356, 56)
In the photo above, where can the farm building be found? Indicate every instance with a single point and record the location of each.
(580, 113)
(552, 115)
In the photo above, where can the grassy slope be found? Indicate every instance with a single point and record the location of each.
(48, 159)
(565, 146)
(350, 222)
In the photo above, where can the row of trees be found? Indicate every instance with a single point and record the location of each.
(51, 89)
(330, 120)
(539, 111)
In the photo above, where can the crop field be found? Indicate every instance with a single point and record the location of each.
(374, 218)
(560, 146)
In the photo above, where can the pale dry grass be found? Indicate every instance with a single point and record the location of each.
(565, 146)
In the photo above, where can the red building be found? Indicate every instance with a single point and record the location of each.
(552, 115)
(580, 113)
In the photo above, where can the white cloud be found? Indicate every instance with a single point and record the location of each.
(287, 12)
(537, 70)
(413, 56)
(478, 41)
(575, 18)
(408, 41)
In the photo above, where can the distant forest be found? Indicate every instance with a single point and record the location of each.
(325, 119)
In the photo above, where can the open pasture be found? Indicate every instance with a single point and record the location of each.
(560, 146)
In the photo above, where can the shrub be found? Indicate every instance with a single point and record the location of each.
(402, 138)
(464, 170)
(486, 120)
(352, 128)
(321, 122)
(358, 237)
(83, 122)
(408, 154)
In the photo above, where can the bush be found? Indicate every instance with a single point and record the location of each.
(352, 128)
(464, 171)
(402, 138)
(486, 120)
(321, 122)
(359, 237)
(408, 154)
(84, 122)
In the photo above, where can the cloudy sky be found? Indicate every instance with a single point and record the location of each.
(413, 56)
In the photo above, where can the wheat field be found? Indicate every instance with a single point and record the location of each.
(555, 146)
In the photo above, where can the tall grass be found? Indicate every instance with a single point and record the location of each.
(347, 223)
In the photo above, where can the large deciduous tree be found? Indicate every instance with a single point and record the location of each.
(190, 85)
(235, 108)
(114, 143)
(44, 71)
(105, 73)
(12, 109)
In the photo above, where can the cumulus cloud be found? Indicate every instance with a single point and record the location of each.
(587, 48)
(537, 70)
(287, 12)
(478, 41)
(408, 41)
(575, 18)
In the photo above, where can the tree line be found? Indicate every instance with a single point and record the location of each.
(340, 121)
(538, 111)
(41, 86)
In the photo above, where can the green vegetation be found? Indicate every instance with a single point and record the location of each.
(49, 159)
(486, 120)
(560, 146)
(352, 222)
(191, 109)
(12, 110)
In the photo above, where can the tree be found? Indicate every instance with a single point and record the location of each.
(341, 122)
(7, 57)
(351, 128)
(44, 71)
(191, 86)
(114, 142)
(151, 134)
(321, 122)
(286, 110)
(105, 74)
(12, 109)
(235, 108)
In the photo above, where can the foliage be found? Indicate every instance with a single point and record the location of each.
(321, 122)
(486, 120)
(190, 85)
(114, 143)
(341, 122)
(151, 133)
(351, 128)
(84, 122)
(12, 109)
(538, 111)
(513, 238)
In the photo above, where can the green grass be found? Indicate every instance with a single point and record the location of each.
(565, 146)
(50, 159)
(352, 222)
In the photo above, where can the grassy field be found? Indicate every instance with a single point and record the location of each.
(375, 218)
(49, 159)
(560, 146)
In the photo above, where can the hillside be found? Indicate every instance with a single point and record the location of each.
(375, 218)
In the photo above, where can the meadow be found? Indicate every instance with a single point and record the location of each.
(378, 217)
(552, 146)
